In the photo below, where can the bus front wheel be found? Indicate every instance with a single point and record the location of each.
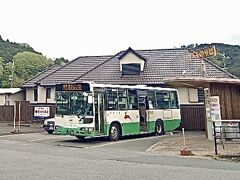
(159, 129)
(81, 138)
(50, 131)
(114, 132)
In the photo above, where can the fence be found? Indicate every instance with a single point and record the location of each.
(226, 132)
(24, 112)
(6, 113)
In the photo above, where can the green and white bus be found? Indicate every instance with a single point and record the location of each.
(90, 110)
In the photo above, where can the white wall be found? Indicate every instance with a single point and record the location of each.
(188, 95)
(16, 97)
(41, 95)
(131, 58)
(29, 95)
(11, 97)
(2, 99)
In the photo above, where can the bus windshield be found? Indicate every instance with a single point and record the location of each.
(73, 103)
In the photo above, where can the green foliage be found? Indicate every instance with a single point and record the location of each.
(228, 56)
(1, 67)
(61, 61)
(27, 65)
(9, 49)
(4, 78)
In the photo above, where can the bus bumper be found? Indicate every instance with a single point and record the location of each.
(76, 131)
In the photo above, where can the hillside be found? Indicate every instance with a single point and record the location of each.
(27, 63)
(228, 56)
(9, 49)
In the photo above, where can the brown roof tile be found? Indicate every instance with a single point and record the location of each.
(31, 82)
(73, 69)
(161, 63)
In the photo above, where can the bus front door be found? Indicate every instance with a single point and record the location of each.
(142, 113)
(99, 112)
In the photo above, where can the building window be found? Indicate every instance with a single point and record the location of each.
(48, 93)
(193, 95)
(35, 94)
(200, 95)
(7, 100)
(131, 69)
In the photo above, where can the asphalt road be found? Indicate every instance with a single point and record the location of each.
(43, 156)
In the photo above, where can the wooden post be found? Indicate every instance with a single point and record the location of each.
(184, 140)
(215, 137)
(19, 112)
(14, 117)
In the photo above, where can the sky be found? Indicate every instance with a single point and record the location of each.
(72, 28)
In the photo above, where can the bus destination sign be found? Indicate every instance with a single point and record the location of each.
(72, 87)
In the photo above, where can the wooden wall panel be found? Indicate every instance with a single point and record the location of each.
(6, 113)
(193, 117)
(229, 99)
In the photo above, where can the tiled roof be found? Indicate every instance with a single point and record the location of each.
(31, 82)
(73, 69)
(161, 63)
(10, 90)
(130, 50)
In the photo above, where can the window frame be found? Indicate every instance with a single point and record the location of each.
(131, 69)
(48, 93)
(35, 94)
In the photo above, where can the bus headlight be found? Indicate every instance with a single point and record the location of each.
(82, 129)
(91, 129)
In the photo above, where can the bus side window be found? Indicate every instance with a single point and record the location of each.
(122, 99)
(163, 100)
(151, 100)
(174, 99)
(132, 99)
(112, 99)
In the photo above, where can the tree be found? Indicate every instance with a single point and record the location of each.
(4, 78)
(1, 66)
(61, 61)
(27, 65)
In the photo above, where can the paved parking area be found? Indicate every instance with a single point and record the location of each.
(8, 128)
(130, 143)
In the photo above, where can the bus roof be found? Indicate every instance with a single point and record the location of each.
(131, 86)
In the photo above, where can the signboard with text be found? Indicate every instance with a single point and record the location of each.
(41, 112)
(215, 110)
(73, 87)
(204, 53)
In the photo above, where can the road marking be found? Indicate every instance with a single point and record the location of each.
(151, 147)
(124, 141)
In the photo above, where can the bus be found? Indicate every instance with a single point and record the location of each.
(90, 110)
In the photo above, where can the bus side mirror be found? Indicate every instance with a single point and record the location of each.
(90, 99)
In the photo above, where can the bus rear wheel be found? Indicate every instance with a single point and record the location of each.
(114, 132)
(159, 129)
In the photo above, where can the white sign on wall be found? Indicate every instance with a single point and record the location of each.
(215, 110)
(41, 112)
